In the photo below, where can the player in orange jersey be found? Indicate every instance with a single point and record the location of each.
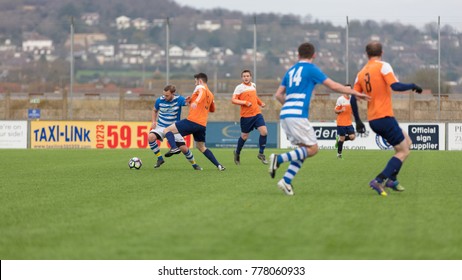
(201, 103)
(245, 95)
(345, 130)
(346, 105)
(377, 79)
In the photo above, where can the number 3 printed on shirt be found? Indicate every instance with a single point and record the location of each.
(297, 78)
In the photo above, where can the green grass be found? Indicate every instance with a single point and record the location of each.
(87, 204)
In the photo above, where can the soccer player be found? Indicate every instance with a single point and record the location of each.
(294, 94)
(245, 95)
(345, 130)
(167, 110)
(377, 80)
(201, 103)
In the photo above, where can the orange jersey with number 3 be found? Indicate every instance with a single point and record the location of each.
(203, 97)
(375, 79)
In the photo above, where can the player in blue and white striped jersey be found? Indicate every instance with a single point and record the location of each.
(166, 111)
(294, 94)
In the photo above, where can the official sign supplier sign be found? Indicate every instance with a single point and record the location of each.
(424, 137)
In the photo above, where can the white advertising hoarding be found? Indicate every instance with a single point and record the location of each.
(424, 136)
(13, 134)
(455, 136)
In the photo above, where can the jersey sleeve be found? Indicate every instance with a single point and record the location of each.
(238, 90)
(156, 105)
(181, 101)
(318, 76)
(388, 74)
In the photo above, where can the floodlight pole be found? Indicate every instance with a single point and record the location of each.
(71, 86)
(439, 68)
(167, 51)
(347, 36)
(254, 49)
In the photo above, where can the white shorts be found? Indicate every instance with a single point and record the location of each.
(299, 131)
(159, 130)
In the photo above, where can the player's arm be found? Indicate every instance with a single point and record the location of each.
(260, 103)
(237, 101)
(354, 107)
(398, 86)
(337, 87)
(338, 109)
(212, 107)
(155, 114)
(280, 94)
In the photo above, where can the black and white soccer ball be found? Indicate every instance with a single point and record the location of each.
(135, 163)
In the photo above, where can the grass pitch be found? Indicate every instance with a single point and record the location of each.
(87, 204)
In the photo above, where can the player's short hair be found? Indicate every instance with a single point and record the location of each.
(246, 71)
(374, 48)
(201, 76)
(170, 88)
(306, 50)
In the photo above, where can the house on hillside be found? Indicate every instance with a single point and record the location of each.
(123, 22)
(90, 19)
(36, 44)
(208, 25)
(140, 23)
(333, 37)
(86, 40)
(234, 24)
(194, 55)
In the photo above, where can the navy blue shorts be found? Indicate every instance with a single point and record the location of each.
(389, 129)
(345, 130)
(187, 127)
(251, 123)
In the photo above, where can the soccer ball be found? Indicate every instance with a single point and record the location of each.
(135, 163)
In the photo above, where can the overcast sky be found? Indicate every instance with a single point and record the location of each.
(415, 12)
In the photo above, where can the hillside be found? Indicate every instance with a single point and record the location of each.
(409, 48)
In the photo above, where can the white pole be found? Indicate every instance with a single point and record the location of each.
(167, 51)
(71, 86)
(347, 51)
(439, 68)
(254, 49)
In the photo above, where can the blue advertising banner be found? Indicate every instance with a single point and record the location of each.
(226, 134)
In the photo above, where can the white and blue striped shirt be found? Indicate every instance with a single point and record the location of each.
(169, 111)
(300, 82)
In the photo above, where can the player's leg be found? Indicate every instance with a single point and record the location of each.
(154, 135)
(301, 133)
(261, 127)
(402, 151)
(188, 154)
(341, 132)
(240, 145)
(209, 155)
(170, 135)
(389, 129)
(199, 137)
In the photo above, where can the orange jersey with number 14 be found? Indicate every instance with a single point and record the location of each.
(203, 97)
(375, 79)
